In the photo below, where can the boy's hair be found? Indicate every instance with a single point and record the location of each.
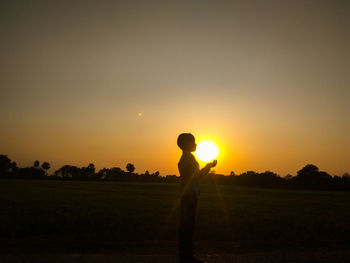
(184, 140)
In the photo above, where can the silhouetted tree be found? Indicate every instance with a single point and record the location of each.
(36, 164)
(91, 168)
(46, 166)
(14, 166)
(130, 168)
(309, 169)
(311, 177)
(115, 173)
(69, 171)
(288, 177)
(87, 172)
(5, 165)
(305, 176)
(102, 173)
(250, 174)
(345, 181)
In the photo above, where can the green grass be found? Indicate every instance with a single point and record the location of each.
(70, 214)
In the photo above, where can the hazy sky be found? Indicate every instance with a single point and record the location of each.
(268, 80)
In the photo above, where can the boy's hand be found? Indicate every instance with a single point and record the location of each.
(212, 164)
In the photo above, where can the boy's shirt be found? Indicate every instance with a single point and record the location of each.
(189, 169)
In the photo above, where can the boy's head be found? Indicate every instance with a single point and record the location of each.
(187, 142)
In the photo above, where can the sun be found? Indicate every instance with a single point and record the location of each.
(207, 151)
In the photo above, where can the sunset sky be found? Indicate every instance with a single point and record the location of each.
(112, 82)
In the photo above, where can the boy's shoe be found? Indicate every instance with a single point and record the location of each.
(193, 259)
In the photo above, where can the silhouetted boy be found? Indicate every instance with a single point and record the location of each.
(189, 187)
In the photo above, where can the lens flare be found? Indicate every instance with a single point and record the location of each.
(207, 151)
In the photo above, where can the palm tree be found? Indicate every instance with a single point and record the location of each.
(46, 166)
(91, 168)
(130, 167)
(36, 164)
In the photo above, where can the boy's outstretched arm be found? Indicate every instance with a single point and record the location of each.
(204, 171)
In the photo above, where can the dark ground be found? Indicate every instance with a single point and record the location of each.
(65, 221)
(149, 256)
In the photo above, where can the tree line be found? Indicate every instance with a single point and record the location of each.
(9, 169)
(309, 177)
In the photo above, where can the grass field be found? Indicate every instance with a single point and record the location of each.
(95, 216)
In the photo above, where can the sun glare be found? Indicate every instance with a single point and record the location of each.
(207, 151)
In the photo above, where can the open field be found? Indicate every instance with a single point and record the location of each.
(113, 217)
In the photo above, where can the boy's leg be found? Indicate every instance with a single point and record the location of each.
(187, 226)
